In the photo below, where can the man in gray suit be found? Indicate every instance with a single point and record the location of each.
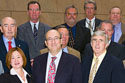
(33, 31)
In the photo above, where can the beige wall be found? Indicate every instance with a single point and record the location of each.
(53, 10)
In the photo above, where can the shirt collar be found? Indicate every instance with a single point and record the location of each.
(90, 20)
(6, 40)
(57, 56)
(65, 49)
(32, 24)
(13, 72)
(101, 56)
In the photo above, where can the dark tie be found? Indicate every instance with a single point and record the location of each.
(113, 35)
(9, 45)
(52, 71)
(71, 40)
(35, 32)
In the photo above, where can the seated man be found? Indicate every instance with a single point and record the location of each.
(100, 66)
(65, 38)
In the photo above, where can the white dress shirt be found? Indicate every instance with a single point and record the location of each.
(13, 72)
(58, 56)
(32, 25)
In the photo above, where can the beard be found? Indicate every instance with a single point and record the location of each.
(70, 21)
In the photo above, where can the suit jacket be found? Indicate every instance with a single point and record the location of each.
(8, 78)
(114, 48)
(97, 22)
(20, 44)
(70, 51)
(68, 71)
(111, 70)
(123, 33)
(83, 37)
(25, 33)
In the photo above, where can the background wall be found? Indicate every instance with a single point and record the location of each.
(53, 10)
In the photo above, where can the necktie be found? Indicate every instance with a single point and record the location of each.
(71, 40)
(52, 71)
(93, 71)
(35, 32)
(113, 35)
(90, 27)
(9, 45)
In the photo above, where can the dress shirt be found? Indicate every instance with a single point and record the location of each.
(100, 58)
(73, 30)
(32, 25)
(6, 42)
(65, 49)
(13, 72)
(58, 56)
(118, 32)
(92, 23)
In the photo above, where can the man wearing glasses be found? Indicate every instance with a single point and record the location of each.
(56, 66)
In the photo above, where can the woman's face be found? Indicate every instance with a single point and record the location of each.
(16, 60)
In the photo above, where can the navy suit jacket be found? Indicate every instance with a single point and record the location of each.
(68, 71)
(111, 70)
(115, 49)
(19, 44)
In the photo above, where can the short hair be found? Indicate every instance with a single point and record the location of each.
(2, 21)
(9, 55)
(105, 21)
(62, 26)
(90, 2)
(33, 2)
(71, 6)
(115, 7)
(101, 33)
(51, 30)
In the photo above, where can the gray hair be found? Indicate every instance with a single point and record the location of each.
(90, 2)
(9, 18)
(71, 6)
(101, 33)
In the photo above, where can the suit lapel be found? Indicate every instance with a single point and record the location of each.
(41, 34)
(2, 48)
(62, 62)
(30, 33)
(103, 66)
(16, 79)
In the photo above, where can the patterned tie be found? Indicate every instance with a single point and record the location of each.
(93, 71)
(52, 71)
(9, 45)
(113, 35)
(35, 32)
(71, 40)
(90, 27)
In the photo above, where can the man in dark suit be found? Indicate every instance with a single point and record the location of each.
(101, 66)
(33, 32)
(114, 48)
(90, 21)
(9, 29)
(81, 36)
(66, 67)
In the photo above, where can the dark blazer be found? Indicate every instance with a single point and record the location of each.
(83, 37)
(83, 22)
(7, 78)
(20, 44)
(68, 71)
(111, 70)
(25, 33)
(115, 49)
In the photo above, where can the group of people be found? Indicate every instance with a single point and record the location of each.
(85, 51)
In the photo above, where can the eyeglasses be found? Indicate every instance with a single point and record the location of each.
(55, 39)
(71, 13)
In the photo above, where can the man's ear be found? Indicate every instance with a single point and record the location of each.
(46, 43)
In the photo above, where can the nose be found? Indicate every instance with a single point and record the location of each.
(9, 28)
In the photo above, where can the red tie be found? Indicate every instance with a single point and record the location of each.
(9, 47)
(52, 71)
